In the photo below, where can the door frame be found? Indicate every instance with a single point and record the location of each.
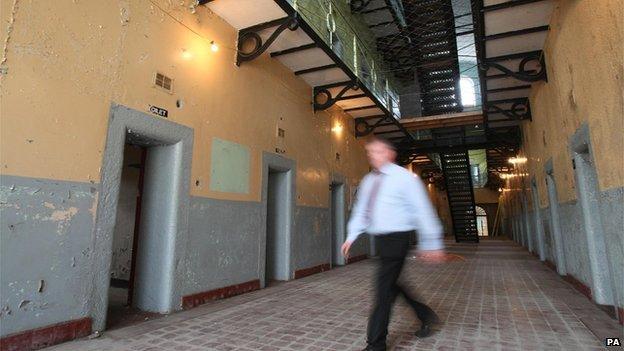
(169, 143)
(340, 237)
(537, 218)
(555, 221)
(282, 164)
(587, 192)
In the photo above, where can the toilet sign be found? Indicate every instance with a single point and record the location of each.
(158, 111)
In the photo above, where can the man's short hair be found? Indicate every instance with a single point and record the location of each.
(386, 142)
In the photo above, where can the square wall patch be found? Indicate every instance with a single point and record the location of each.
(229, 167)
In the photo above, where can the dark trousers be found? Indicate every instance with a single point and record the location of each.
(392, 249)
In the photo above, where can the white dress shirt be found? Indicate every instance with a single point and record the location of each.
(401, 204)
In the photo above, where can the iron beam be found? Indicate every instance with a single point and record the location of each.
(295, 49)
(316, 69)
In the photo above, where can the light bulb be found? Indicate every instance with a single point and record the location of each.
(214, 47)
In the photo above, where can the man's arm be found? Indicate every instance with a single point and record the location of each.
(426, 219)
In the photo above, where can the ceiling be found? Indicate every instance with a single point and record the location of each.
(429, 43)
(301, 50)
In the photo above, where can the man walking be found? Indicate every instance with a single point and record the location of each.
(390, 204)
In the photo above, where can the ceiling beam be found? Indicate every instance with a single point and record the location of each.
(516, 32)
(519, 55)
(293, 50)
(508, 101)
(374, 10)
(316, 69)
(519, 87)
(360, 108)
(508, 4)
(380, 24)
(351, 97)
(505, 75)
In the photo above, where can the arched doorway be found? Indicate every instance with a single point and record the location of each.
(482, 224)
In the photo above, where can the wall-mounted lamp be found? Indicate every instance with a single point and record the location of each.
(337, 128)
(517, 160)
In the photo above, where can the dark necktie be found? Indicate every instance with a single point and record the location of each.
(373, 196)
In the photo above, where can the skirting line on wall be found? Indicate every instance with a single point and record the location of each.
(312, 270)
(586, 291)
(47, 336)
(191, 301)
(356, 258)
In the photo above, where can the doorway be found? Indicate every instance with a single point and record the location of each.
(555, 226)
(276, 226)
(539, 229)
(337, 208)
(160, 236)
(121, 311)
(587, 195)
(275, 255)
(526, 221)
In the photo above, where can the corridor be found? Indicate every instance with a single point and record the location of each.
(183, 175)
(496, 297)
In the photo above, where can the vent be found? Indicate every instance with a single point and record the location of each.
(164, 82)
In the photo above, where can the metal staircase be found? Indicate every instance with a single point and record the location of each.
(427, 46)
(456, 167)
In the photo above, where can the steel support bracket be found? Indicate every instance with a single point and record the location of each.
(523, 73)
(363, 128)
(251, 34)
(519, 110)
(323, 98)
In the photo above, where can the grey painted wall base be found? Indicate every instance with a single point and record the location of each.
(47, 231)
(574, 242)
(56, 237)
(222, 247)
(46, 252)
(312, 237)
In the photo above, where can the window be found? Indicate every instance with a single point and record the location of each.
(482, 224)
(467, 88)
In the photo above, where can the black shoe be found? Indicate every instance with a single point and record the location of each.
(424, 331)
(371, 348)
(433, 318)
(425, 328)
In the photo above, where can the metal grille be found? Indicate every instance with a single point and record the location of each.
(163, 81)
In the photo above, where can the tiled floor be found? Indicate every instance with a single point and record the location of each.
(498, 298)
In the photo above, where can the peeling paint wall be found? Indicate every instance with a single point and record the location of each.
(63, 64)
(584, 55)
(45, 251)
(68, 83)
